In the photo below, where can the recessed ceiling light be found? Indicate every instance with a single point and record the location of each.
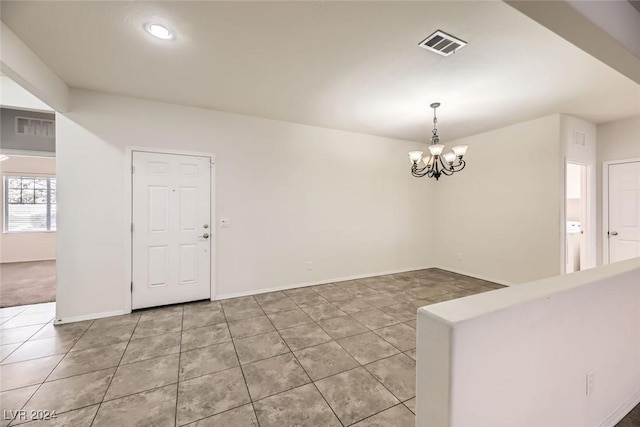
(160, 31)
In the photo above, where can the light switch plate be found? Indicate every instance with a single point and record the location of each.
(225, 223)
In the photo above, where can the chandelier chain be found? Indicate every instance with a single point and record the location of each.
(435, 123)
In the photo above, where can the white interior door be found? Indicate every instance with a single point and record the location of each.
(171, 230)
(624, 211)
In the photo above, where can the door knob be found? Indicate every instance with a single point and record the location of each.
(205, 235)
(614, 233)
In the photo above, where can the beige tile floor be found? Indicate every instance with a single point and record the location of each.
(331, 355)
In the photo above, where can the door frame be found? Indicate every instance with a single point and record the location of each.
(605, 203)
(128, 215)
(591, 220)
(588, 238)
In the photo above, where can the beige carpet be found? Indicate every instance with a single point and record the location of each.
(27, 283)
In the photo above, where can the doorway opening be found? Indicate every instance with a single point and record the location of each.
(28, 193)
(577, 218)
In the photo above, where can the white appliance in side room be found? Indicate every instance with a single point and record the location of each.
(574, 231)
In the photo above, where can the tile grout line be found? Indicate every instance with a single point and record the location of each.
(106, 390)
(336, 341)
(220, 343)
(65, 353)
(175, 415)
(191, 423)
(94, 370)
(379, 412)
(246, 386)
(363, 366)
(125, 395)
(206, 326)
(305, 372)
(20, 344)
(14, 315)
(54, 368)
(405, 405)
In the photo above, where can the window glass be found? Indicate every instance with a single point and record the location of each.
(29, 204)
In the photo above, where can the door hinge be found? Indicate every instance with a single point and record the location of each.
(133, 169)
(132, 227)
(131, 286)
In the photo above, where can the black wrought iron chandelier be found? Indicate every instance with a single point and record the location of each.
(436, 163)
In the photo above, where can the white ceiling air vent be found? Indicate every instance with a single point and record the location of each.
(442, 43)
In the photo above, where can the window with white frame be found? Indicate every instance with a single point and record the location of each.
(29, 204)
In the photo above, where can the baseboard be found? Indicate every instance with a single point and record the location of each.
(476, 276)
(89, 317)
(622, 411)
(315, 283)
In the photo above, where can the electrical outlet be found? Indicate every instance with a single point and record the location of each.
(589, 384)
(309, 265)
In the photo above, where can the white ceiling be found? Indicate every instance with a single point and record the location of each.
(345, 65)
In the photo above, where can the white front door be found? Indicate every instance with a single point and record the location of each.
(171, 229)
(624, 211)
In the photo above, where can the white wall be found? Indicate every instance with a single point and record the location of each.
(294, 193)
(502, 213)
(519, 356)
(19, 247)
(617, 140)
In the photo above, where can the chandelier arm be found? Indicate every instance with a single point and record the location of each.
(446, 169)
(420, 172)
(448, 172)
(446, 164)
(459, 166)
